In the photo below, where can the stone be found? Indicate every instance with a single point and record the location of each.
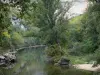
(63, 62)
(2, 57)
(8, 58)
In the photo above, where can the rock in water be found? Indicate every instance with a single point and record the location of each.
(6, 59)
(64, 62)
(2, 61)
(10, 57)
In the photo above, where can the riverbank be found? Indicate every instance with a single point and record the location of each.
(87, 67)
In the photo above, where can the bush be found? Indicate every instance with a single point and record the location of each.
(54, 52)
(17, 39)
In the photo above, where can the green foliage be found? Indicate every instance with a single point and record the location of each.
(96, 56)
(31, 41)
(89, 33)
(75, 28)
(4, 24)
(76, 20)
(54, 50)
(91, 26)
(4, 17)
(87, 37)
(17, 40)
(52, 28)
(82, 59)
(95, 1)
(7, 10)
(32, 32)
(75, 44)
(84, 34)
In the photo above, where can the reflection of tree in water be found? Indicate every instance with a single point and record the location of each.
(31, 62)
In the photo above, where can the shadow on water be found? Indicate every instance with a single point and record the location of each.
(32, 62)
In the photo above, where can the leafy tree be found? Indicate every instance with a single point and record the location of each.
(17, 39)
(90, 31)
(52, 23)
(75, 35)
(4, 21)
(96, 1)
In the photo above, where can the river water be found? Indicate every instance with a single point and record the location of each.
(32, 62)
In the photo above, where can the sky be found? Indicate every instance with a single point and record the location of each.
(78, 7)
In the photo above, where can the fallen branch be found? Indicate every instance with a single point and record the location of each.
(36, 46)
(30, 47)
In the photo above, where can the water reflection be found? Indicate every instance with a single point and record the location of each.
(32, 62)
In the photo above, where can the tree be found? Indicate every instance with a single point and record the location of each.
(5, 18)
(52, 22)
(97, 1)
(91, 31)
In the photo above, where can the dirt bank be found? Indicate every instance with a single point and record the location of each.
(87, 67)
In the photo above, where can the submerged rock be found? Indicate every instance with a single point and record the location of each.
(63, 62)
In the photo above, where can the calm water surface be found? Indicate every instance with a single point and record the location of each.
(32, 62)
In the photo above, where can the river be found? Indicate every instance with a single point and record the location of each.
(32, 62)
